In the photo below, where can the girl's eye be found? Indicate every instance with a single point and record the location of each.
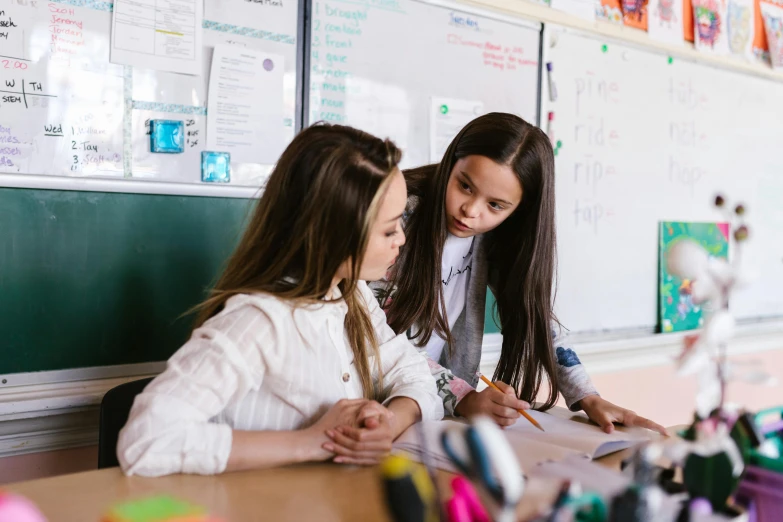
(495, 206)
(391, 234)
(464, 186)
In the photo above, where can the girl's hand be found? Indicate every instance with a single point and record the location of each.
(345, 412)
(501, 406)
(370, 413)
(604, 413)
(364, 446)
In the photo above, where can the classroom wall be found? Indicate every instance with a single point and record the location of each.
(47, 464)
(659, 394)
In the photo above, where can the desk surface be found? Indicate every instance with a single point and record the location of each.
(317, 492)
(322, 492)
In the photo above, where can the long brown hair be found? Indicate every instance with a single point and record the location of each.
(520, 252)
(315, 213)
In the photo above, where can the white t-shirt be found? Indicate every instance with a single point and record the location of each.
(455, 267)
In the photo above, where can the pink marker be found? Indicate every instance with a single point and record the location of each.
(457, 510)
(464, 489)
(550, 131)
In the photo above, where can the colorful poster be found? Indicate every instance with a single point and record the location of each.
(740, 28)
(635, 13)
(773, 24)
(676, 309)
(760, 45)
(687, 20)
(665, 21)
(609, 11)
(709, 19)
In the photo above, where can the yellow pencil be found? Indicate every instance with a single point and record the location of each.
(522, 412)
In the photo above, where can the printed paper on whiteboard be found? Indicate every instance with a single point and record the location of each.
(447, 117)
(164, 35)
(245, 104)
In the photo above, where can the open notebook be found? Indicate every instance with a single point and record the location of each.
(563, 439)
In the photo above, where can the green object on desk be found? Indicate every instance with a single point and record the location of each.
(776, 438)
(710, 477)
(588, 507)
(155, 509)
(97, 279)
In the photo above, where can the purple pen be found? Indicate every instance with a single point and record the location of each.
(551, 81)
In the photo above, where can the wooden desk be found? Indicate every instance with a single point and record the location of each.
(313, 492)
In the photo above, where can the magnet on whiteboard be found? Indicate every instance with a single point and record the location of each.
(167, 136)
(215, 167)
(553, 39)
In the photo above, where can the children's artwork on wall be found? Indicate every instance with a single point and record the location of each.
(740, 28)
(687, 20)
(677, 311)
(773, 24)
(665, 21)
(609, 11)
(635, 13)
(709, 21)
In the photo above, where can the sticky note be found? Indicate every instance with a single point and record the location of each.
(156, 509)
(167, 136)
(215, 167)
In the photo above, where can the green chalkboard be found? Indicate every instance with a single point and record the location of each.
(94, 279)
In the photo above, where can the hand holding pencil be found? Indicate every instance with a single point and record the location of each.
(499, 401)
(520, 411)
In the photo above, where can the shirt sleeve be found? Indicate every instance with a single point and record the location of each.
(169, 429)
(405, 372)
(451, 389)
(573, 380)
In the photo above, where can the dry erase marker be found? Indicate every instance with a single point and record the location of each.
(550, 127)
(551, 81)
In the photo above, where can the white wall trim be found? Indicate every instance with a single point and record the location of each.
(34, 435)
(609, 353)
(47, 411)
(35, 394)
(127, 186)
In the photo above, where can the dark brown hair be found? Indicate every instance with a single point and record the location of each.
(315, 213)
(520, 252)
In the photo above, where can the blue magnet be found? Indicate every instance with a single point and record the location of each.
(215, 167)
(167, 136)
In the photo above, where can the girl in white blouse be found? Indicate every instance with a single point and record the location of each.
(291, 350)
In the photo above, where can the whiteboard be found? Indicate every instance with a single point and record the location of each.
(644, 140)
(61, 105)
(417, 72)
(82, 116)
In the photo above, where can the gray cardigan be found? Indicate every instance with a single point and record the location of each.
(456, 371)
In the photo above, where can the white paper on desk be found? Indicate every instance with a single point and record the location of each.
(584, 9)
(245, 104)
(447, 117)
(529, 452)
(590, 475)
(578, 435)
